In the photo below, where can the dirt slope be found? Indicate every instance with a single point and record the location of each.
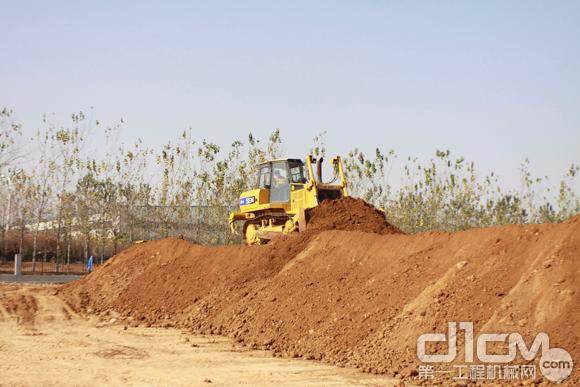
(348, 297)
(43, 342)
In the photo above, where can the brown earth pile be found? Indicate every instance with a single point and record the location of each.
(348, 297)
(349, 214)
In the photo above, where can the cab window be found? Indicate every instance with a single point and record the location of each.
(297, 172)
(264, 177)
(280, 174)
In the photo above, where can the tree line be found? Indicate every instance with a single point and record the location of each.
(62, 202)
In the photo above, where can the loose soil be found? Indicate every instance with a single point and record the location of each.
(351, 298)
(43, 342)
(349, 214)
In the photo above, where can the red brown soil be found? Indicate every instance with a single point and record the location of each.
(351, 298)
(349, 214)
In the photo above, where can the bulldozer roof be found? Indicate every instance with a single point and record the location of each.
(274, 160)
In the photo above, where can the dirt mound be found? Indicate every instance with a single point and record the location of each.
(349, 214)
(352, 298)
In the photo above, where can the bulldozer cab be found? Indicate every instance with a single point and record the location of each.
(279, 177)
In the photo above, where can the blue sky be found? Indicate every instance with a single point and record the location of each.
(494, 81)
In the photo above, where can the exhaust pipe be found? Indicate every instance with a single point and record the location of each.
(319, 169)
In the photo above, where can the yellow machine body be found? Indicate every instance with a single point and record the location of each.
(286, 188)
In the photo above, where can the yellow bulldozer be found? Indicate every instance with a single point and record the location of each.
(286, 189)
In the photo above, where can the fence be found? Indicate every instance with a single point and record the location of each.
(44, 267)
(103, 239)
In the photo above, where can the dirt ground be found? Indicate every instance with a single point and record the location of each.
(44, 342)
(358, 298)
